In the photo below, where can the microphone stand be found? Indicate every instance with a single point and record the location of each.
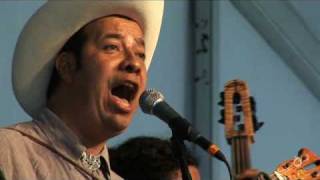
(179, 149)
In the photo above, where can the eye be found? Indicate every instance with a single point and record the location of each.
(141, 56)
(110, 47)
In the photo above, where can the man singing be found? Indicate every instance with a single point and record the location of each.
(79, 69)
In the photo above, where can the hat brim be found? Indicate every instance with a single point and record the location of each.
(53, 24)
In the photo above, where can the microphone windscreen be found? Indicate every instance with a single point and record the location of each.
(149, 99)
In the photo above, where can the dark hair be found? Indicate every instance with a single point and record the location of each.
(74, 45)
(147, 158)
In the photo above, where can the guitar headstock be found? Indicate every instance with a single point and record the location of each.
(306, 166)
(239, 110)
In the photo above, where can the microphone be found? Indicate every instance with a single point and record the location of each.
(152, 102)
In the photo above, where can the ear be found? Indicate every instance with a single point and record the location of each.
(66, 66)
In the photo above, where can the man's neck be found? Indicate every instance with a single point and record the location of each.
(94, 146)
(96, 150)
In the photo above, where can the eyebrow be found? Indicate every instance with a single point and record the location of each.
(139, 41)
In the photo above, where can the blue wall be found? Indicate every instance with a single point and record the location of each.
(13, 15)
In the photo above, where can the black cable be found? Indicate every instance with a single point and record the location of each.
(229, 169)
(223, 159)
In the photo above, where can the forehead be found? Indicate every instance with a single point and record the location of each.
(114, 24)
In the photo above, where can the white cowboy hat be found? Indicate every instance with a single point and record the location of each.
(53, 24)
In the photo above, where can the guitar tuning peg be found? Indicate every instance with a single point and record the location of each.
(236, 98)
(221, 103)
(286, 165)
(314, 174)
(221, 121)
(238, 108)
(300, 152)
(241, 127)
(236, 118)
(253, 101)
(222, 95)
(253, 104)
(222, 113)
(258, 125)
(254, 118)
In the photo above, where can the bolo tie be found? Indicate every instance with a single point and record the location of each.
(96, 163)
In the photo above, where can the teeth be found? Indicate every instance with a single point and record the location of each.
(129, 85)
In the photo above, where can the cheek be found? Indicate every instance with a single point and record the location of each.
(144, 79)
(103, 72)
(97, 81)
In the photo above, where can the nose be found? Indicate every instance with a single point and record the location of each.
(131, 67)
(132, 64)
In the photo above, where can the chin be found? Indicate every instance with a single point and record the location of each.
(117, 124)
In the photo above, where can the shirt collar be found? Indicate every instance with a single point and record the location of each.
(61, 136)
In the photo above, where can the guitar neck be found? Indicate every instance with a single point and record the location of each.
(241, 157)
(240, 154)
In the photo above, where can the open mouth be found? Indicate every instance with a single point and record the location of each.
(126, 90)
